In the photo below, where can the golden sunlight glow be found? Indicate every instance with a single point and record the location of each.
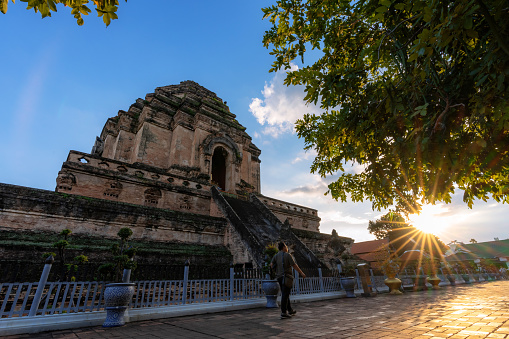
(430, 219)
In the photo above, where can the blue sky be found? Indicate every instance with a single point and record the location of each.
(60, 82)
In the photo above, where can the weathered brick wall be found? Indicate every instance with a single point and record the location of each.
(299, 217)
(25, 208)
(180, 188)
(323, 246)
(28, 246)
(234, 243)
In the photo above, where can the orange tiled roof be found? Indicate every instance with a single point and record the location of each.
(365, 247)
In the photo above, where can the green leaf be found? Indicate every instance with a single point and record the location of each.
(51, 5)
(472, 33)
(500, 82)
(475, 71)
(3, 6)
(422, 110)
(483, 79)
(467, 24)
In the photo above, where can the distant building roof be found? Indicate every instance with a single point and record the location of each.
(462, 256)
(490, 249)
(368, 246)
(366, 250)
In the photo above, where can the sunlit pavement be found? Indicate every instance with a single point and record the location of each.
(479, 310)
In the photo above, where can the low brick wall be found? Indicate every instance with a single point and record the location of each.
(23, 208)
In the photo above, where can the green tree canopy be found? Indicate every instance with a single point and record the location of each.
(415, 91)
(388, 222)
(105, 8)
(403, 236)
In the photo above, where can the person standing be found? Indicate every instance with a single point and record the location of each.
(283, 263)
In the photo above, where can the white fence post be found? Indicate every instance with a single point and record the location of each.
(186, 278)
(340, 270)
(297, 285)
(321, 278)
(232, 281)
(373, 282)
(40, 288)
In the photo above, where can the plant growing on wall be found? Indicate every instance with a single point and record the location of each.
(123, 255)
(270, 251)
(72, 268)
(336, 244)
(66, 270)
(62, 244)
(348, 270)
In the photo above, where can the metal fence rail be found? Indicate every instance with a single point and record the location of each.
(378, 282)
(73, 297)
(77, 297)
(58, 297)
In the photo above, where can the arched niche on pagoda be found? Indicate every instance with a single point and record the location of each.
(222, 159)
(219, 165)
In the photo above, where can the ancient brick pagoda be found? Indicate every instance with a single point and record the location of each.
(164, 167)
(165, 151)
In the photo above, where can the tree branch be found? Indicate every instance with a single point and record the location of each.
(495, 29)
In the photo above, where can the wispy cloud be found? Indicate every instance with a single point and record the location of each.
(304, 155)
(319, 188)
(25, 121)
(354, 168)
(336, 216)
(280, 105)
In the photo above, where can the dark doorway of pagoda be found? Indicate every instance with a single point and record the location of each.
(219, 167)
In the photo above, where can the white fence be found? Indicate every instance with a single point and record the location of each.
(75, 297)
(58, 298)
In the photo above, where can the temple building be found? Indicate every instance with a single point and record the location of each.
(175, 167)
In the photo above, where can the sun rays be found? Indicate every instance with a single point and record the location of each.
(431, 219)
(414, 249)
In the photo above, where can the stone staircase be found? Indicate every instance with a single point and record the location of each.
(258, 227)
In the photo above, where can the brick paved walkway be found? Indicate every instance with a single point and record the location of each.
(467, 311)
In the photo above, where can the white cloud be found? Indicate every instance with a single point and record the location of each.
(336, 216)
(280, 106)
(355, 168)
(305, 155)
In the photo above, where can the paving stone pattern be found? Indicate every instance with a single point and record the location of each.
(465, 311)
